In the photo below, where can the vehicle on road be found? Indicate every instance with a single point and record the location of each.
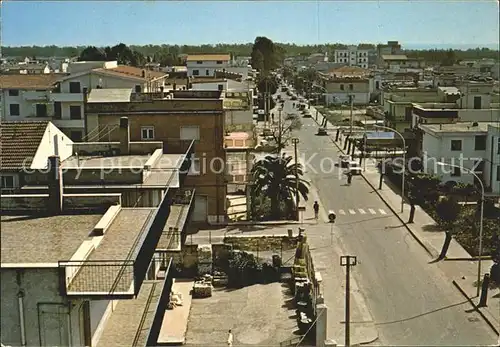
(354, 168)
(294, 97)
(344, 161)
(307, 114)
(321, 132)
(284, 89)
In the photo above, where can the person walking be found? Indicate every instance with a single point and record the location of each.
(349, 177)
(230, 338)
(316, 210)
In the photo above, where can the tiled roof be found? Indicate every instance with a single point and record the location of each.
(208, 57)
(130, 71)
(19, 141)
(349, 70)
(44, 81)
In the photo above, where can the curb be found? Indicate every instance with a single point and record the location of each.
(420, 242)
(481, 313)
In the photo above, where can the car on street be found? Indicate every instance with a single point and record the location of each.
(306, 113)
(294, 97)
(344, 161)
(321, 132)
(354, 168)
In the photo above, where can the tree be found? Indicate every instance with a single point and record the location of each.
(448, 211)
(449, 59)
(275, 177)
(282, 133)
(92, 53)
(267, 84)
(269, 53)
(257, 60)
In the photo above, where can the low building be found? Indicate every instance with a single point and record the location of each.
(400, 62)
(26, 147)
(472, 145)
(352, 56)
(31, 68)
(176, 119)
(390, 48)
(79, 269)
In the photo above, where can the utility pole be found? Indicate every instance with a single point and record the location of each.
(347, 261)
(295, 142)
(280, 133)
(351, 100)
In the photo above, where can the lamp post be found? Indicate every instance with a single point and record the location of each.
(480, 251)
(404, 163)
(295, 142)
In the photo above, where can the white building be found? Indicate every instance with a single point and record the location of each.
(352, 56)
(206, 64)
(472, 145)
(60, 98)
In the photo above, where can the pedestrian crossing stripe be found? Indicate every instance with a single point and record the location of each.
(352, 212)
(372, 211)
(381, 211)
(342, 212)
(361, 211)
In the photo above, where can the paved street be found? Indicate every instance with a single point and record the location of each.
(412, 302)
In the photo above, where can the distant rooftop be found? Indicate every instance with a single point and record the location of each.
(461, 127)
(394, 57)
(208, 57)
(22, 81)
(110, 95)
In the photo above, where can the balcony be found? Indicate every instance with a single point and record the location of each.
(66, 97)
(69, 123)
(36, 96)
(117, 267)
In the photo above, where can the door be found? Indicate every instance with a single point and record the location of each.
(477, 102)
(54, 329)
(200, 212)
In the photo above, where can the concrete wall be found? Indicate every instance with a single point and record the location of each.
(103, 175)
(40, 286)
(206, 68)
(31, 202)
(359, 98)
(237, 117)
(487, 115)
(54, 142)
(136, 148)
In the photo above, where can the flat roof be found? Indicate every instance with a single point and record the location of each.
(461, 127)
(133, 318)
(120, 243)
(105, 162)
(110, 95)
(44, 239)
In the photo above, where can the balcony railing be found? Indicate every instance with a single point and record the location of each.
(66, 97)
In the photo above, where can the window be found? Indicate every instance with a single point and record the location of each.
(480, 143)
(7, 182)
(14, 110)
(456, 145)
(341, 87)
(498, 173)
(74, 87)
(194, 170)
(351, 87)
(498, 146)
(190, 132)
(199, 62)
(478, 165)
(138, 88)
(477, 102)
(147, 133)
(456, 172)
(221, 87)
(207, 73)
(219, 62)
(75, 112)
(57, 110)
(196, 72)
(41, 110)
(13, 92)
(76, 136)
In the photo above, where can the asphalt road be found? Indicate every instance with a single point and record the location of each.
(411, 301)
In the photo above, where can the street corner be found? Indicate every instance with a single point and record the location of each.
(364, 335)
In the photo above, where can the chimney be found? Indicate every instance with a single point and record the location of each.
(55, 185)
(124, 136)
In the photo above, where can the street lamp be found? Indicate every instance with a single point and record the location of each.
(404, 163)
(480, 252)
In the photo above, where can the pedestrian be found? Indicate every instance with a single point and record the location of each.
(272, 117)
(230, 338)
(349, 177)
(316, 210)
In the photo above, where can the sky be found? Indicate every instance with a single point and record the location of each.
(100, 23)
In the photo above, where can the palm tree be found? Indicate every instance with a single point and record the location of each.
(275, 177)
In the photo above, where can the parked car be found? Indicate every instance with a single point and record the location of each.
(321, 132)
(294, 97)
(344, 161)
(354, 168)
(307, 113)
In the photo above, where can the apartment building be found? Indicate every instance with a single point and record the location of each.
(174, 119)
(83, 270)
(473, 145)
(206, 64)
(390, 48)
(352, 56)
(340, 90)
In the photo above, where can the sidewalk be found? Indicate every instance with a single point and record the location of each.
(459, 265)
